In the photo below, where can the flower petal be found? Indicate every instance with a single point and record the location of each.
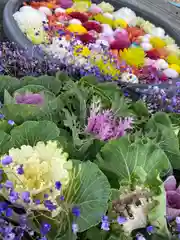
(172, 212)
(170, 183)
(173, 199)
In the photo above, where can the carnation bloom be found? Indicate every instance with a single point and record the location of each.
(42, 166)
(30, 98)
(173, 197)
(104, 125)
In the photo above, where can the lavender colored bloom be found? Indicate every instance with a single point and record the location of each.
(11, 122)
(13, 196)
(20, 170)
(6, 160)
(58, 185)
(105, 126)
(75, 228)
(121, 220)
(9, 212)
(49, 205)
(30, 98)
(45, 228)
(8, 184)
(26, 196)
(105, 223)
(172, 197)
(76, 211)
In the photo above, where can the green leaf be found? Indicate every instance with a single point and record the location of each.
(31, 132)
(119, 106)
(48, 82)
(9, 83)
(157, 215)
(5, 142)
(8, 99)
(122, 158)
(89, 190)
(158, 119)
(140, 109)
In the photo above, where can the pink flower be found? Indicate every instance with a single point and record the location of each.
(30, 98)
(172, 197)
(105, 126)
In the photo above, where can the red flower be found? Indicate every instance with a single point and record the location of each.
(92, 25)
(87, 38)
(80, 16)
(120, 44)
(163, 77)
(153, 54)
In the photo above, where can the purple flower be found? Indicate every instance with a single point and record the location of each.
(30, 98)
(58, 185)
(6, 160)
(20, 170)
(105, 126)
(172, 197)
(11, 122)
(76, 211)
(75, 228)
(26, 196)
(121, 220)
(13, 196)
(8, 184)
(45, 228)
(105, 223)
(49, 205)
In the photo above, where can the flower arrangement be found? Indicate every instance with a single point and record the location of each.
(102, 30)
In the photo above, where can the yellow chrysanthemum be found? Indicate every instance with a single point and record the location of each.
(175, 67)
(157, 42)
(133, 56)
(120, 23)
(81, 50)
(43, 166)
(69, 10)
(173, 59)
(104, 20)
(76, 28)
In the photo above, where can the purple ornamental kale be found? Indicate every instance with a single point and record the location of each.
(30, 98)
(172, 197)
(105, 126)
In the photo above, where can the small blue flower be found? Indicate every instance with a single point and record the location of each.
(2, 116)
(140, 237)
(13, 196)
(49, 205)
(37, 201)
(62, 198)
(75, 228)
(9, 212)
(105, 223)
(11, 122)
(121, 220)
(26, 196)
(76, 211)
(8, 184)
(58, 185)
(150, 229)
(45, 228)
(46, 195)
(6, 160)
(20, 170)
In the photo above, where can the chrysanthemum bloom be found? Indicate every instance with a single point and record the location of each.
(30, 98)
(37, 173)
(105, 125)
(173, 197)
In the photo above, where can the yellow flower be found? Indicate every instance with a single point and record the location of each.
(76, 28)
(106, 7)
(69, 10)
(175, 67)
(81, 6)
(157, 42)
(43, 166)
(107, 67)
(173, 59)
(120, 23)
(133, 56)
(104, 20)
(37, 36)
(81, 50)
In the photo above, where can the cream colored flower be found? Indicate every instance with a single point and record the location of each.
(106, 7)
(43, 166)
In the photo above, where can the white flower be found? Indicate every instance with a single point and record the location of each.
(43, 165)
(173, 49)
(106, 7)
(127, 14)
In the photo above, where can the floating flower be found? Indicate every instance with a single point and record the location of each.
(43, 166)
(65, 3)
(93, 25)
(173, 59)
(173, 197)
(87, 38)
(106, 7)
(80, 16)
(127, 14)
(133, 56)
(81, 50)
(120, 23)
(103, 19)
(157, 42)
(76, 28)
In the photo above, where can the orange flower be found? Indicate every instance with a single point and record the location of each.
(134, 33)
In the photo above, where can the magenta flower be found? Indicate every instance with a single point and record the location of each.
(104, 125)
(172, 197)
(30, 98)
